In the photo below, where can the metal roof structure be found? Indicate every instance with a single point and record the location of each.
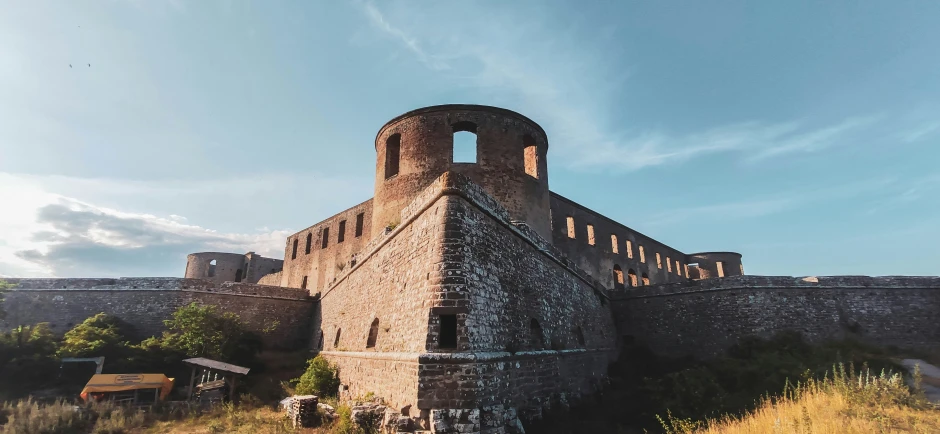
(217, 365)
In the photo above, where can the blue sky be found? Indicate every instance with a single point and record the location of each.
(805, 135)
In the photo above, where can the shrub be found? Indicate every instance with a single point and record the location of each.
(201, 331)
(27, 359)
(102, 335)
(4, 287)
(321, 378)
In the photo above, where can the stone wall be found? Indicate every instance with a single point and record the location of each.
(600, 259)
(703, 318)
(313, 270)
(146, 302)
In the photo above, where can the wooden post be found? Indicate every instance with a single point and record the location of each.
(192, 381)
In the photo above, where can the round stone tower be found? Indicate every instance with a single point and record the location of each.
(216, 266)
(417, 147)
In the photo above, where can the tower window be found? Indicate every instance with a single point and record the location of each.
(309, 241)
(531, 156)
(570, 221)
(686, 267)
(742, 269)
(721, 268)
(642, 255)
(336, 341)
(238, 275)
(535, 335)
(211, 270)
(659, 261)
(341, 235)
(590, 232)
(579, 335)
(613, 243)
(465, 142)
(392, 155)
(326, 238)
(668, 265)
(293, 253)
(629, 249)
(448, 335)
(303, 283)
(678, 269)
(359, 221)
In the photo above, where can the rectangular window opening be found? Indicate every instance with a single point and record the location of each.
(531, 159)
(613, 244)
(465, 147)
(721, 268)
(392, 155)
(629, 249)
(678, 268)
(570, 227)
(325, 241)
(590, 231)
(359, 222)
(341, 235)
(448, 335)
(303, 283)
(668, 265)
(642, 255)
(659, 261)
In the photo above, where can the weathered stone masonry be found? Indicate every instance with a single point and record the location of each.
(146, 302)
(705, 317)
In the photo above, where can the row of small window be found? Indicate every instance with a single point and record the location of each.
(464, 150)
(325, 238)
(447, 338)
(615, 248)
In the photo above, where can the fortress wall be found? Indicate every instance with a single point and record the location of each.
(703, 318)
(321, 265)
(259, 267)
(498, 279)
(599, 259)
(393, 282)
(146, 302)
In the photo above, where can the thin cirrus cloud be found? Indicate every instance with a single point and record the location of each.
(576, 112)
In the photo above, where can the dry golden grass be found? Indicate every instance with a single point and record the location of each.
(844, 404)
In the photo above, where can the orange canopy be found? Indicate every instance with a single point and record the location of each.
(122, 382)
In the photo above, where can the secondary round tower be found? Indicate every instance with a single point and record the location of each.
(417, 147)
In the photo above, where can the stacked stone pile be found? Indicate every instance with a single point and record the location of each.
(302, 410)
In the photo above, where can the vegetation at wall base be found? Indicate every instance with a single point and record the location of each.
(321, 378)
(645, 388)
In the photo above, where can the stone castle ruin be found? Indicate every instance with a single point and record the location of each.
(469, 295)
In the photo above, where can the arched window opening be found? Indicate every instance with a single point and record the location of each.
(531, 156)
(570, 221)
(336, 341)
(631, 278)
(646, 280)
(238, 275)
(465, 142)
(392, 155)
(373, 333)
(721, 268)
(535, 335)
(618, 277)
(590, 231)
(629, 249)
(613, 244)
(668, 265)
(293, 252)
(309, 242)
(211, 270)
(579, 335)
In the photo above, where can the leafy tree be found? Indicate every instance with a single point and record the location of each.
(27, 358)
(100, 335)
(320, 378)
(4, 287)
(201, 331)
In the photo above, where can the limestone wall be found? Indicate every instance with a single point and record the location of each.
(705, 317)
(279, 315)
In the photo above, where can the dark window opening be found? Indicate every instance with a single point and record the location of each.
(531, 157)
(535, 335)
(293, 254)
(392, 155)
(303, 283)
(618, 277)
(359, 222)
(326, 238)
(465, 142)
(212, 264)
(336, 341)
(448, 335)
(309, 242)
(373, 334)
(341, 235)
(580, 335)
(238, 275)
(320, 341)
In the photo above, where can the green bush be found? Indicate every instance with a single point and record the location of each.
(102, 335)
(27, 359)
(201, 331)
(321, 378)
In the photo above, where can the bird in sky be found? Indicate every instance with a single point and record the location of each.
(70, 65)
(89, 65)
